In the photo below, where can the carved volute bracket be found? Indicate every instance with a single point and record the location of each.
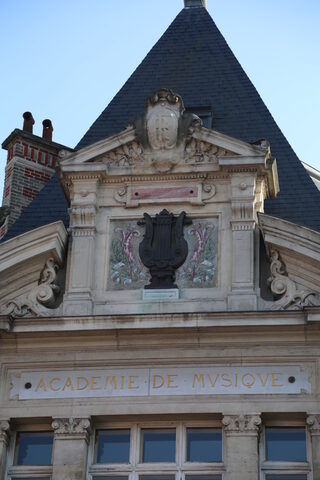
(82, 220)
(313, 422)
(70, 428)
(83, 209)
(240, 425)
(4, 431)
(242, 202)
(41, 300)
(285, 288)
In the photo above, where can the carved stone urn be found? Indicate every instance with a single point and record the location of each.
(163, 248)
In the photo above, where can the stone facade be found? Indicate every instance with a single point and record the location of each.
(85, 349)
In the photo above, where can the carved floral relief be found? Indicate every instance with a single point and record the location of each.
(200, 268)
(126, 271)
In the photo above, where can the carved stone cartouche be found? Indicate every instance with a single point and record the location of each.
(165, 129)
(163, 248)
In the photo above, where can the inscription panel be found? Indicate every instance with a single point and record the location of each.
(133, 382)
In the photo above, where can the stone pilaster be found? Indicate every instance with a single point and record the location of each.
(78, 297)
(313, 422)
(241, 438)
(71, 438)
(4, 442)
(243, 295)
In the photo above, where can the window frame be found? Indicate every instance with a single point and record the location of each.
(272, 467)
(25, 471)
(135, 468)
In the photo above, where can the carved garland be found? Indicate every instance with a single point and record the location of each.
(196, 151)
(44, 294)
(125, 156)
(282, 285)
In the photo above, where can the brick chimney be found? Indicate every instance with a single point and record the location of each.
(31, 162)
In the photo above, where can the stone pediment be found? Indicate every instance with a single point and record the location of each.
(165, 139)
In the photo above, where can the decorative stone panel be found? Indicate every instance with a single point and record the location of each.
(126, 271)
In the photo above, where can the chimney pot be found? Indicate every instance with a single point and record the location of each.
(47, 129)
(195, 3)
(28, 122)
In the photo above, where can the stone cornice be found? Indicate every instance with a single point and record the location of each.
(283, 234)
(49, 239)
(163, 321)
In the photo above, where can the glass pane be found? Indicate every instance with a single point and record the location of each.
(204, 445)
(286, 477)
(110, 477)
(204, 477)
(159, 445)
(34, 448)
(157, 477)
(286, 444)
(113, 446)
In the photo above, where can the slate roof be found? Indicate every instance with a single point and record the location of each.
(193, 59)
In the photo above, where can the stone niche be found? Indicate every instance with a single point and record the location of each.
(165, 160)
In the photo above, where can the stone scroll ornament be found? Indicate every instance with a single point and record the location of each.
(41, 299)
(285, 289)
(163, 248)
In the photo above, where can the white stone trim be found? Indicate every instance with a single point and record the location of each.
(135, 467)
(283, 234)
(272, 467)
(49, 239)
(171, 321)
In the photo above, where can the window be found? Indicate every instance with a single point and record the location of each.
(34, 448)
(113, 446)
(286, 477)
(157, 451)
(30, 478)
(30, 455)
(286, 444)
(284, 454)
(158, 445)
(204, 445)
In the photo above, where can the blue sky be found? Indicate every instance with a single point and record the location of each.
(66, 59)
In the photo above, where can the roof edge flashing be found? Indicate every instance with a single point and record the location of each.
(195, 4)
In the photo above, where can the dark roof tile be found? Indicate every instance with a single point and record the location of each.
(193, 59)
